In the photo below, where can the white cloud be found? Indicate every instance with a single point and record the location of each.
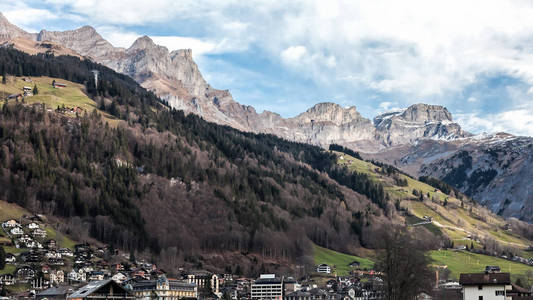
(518, 121)
(293, 54)
(471, 99)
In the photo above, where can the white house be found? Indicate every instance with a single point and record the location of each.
(73, 275)
(66, 252)
(39, 233)
(486, 286)
(119, 277)
(10, 223)
(16, 231)
(323, 268)
(52, 254)
(57, 277)
(10, 258)
(33, 225)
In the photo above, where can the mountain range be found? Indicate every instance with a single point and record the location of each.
(421, 139)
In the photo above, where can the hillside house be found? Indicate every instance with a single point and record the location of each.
(58, 85)
(66, 252)
(7, 279)
(10, 223)
(39, 233)
(33, 225)
(96, 276)
(56, 262)
(104, 289)
(77, 276)
(119, 277)
(57, 277)
(25, 273)
(485, 286)
(10, 258)
(16, 231)
(323, 268)
(52, 254)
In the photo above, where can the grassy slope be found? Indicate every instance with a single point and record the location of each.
(456, 222)
(339, 261)
(467, 262)
(71, 96)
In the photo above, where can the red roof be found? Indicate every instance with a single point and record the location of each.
(485, 278)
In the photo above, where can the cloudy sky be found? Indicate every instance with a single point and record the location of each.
(474, 57)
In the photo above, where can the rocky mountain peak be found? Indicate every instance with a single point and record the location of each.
(9, 31)
(330, 112)
(426, 113)
(84, 40)
(144, 43)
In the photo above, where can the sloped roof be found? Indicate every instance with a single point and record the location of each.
(93, 287)
(54, 291)
(483, 278)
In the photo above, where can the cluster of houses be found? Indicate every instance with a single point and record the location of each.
(47, 270)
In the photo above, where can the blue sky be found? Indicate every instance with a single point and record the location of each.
(474, 57)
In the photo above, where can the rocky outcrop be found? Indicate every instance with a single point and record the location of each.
(416, 122)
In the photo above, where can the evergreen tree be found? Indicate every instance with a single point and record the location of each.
(518, 282)
(35, 90)
(471, 245)
(132, 256)
(2, 258)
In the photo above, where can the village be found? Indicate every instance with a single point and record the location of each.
(38, 267)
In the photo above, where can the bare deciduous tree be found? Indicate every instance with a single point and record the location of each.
(404, 264)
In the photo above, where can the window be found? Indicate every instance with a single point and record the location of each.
(500, 293)
(480, 298)
(480, 287)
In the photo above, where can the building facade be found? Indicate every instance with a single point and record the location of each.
(267, 287)
(486, 286)
(323, 268)
(204, 281)
(164, 289)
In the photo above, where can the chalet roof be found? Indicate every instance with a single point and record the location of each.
(485, 278)
(55, 291)
(93, 287)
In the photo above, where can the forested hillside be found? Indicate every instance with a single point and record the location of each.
(172, 184)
